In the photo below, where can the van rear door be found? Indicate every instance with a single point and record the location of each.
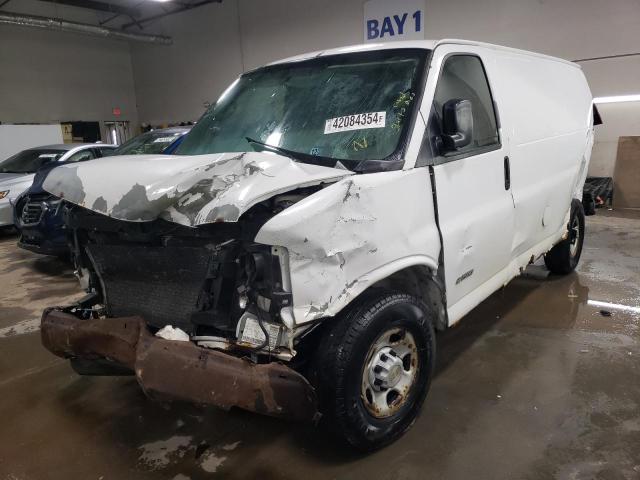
(475, 206)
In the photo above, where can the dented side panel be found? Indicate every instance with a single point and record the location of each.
(189, 190)
(352, 234)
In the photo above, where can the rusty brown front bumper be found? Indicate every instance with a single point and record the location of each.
(181, 370)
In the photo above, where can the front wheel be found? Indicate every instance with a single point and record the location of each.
(374, 368)
(563, 258)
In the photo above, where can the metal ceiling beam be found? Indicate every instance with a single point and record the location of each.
(48, 23)
(184, 7)
(99, 6)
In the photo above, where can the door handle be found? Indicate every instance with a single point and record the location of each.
(507, 174)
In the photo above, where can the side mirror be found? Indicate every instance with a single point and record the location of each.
(457, 120)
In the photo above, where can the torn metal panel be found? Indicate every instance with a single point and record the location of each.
(66, 336)
(183, 371)
(189, 190)
(349, 235)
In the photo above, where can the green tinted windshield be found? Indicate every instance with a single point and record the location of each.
(151, 143)
(29, 161)
(347, 107)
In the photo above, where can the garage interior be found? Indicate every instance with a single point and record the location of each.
(541, 380)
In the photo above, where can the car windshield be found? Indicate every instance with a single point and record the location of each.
(29, 161)
(153, 142)
(348, 107)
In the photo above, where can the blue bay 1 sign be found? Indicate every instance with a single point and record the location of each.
(388, 20)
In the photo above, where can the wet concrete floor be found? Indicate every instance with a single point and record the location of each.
(542, 380)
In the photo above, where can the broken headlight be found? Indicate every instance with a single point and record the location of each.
(266, 282)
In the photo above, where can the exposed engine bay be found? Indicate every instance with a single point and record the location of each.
(214, 282)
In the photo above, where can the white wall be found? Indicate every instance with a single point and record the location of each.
(15, 138)
(172, 83)
(617, 76)
(276, 29)
(49, 77)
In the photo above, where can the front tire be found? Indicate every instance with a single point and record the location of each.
(374, 368)
(563, 258)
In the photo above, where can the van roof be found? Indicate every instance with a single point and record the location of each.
(425, 44)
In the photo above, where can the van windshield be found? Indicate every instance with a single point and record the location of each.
(348, 108)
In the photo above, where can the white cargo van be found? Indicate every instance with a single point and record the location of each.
(320, 222)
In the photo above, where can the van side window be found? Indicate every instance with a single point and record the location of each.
(463, 78)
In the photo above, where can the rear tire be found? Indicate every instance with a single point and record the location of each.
(374, 367)
(563, 258)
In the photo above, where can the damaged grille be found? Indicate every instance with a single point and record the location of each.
(31, 213)
(161, 284)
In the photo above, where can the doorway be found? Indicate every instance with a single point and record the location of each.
(81, 132)
(116, 132)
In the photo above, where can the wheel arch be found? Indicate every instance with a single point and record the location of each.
(416, 275)
(421, 281)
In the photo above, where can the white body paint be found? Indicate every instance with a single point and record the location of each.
(544, 107)
(191, 190)
(352, 234)
(362, 228)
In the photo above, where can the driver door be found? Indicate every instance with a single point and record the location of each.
(475, 207)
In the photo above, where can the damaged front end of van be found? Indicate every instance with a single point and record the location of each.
(245, 253)
(152, 254)
(218, 275)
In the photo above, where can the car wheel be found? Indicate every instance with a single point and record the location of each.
(563, 258)
(374, 368)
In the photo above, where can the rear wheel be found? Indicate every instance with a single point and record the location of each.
(374, 368)
(563, 258)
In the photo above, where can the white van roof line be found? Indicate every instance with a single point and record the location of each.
(425, 44)
(456, 41)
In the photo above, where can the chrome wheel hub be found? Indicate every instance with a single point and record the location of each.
(386, 371)
(390, 372)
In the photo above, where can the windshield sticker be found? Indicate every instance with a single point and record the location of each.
(48, 155)
(359, 121)
(164, 139)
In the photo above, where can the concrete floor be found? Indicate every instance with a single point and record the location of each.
(535, 383)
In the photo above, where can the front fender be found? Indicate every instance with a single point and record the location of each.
(349, 235)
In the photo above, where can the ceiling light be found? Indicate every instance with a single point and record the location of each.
(617, 99)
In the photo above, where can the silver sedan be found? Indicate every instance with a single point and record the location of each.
(17, 172)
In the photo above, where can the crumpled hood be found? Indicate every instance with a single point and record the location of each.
(189, 190)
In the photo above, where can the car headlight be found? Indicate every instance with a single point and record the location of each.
(4, 194)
